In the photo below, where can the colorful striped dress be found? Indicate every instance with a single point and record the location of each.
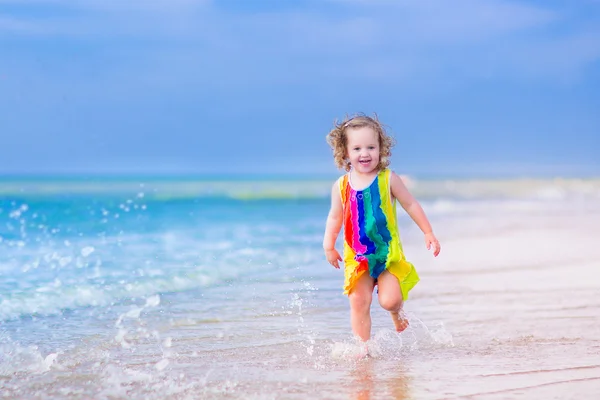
(371, 239)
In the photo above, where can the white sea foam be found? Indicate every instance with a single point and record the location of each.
(157, 190)
(52, 277)
(16, 359)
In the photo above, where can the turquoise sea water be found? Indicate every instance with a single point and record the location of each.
(217, 288)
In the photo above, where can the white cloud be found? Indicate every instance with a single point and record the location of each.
(19, 25)
(392, 41)
(459, 21)
(98, 18)
(564, 58)
(422, 21)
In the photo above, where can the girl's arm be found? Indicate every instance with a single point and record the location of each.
(415, 211)
(333, 226)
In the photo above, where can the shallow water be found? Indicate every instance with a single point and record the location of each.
(125, 295)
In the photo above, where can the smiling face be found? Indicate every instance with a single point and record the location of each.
(363, 149)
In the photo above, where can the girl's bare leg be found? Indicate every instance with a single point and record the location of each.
(390, 298)
(360, 306)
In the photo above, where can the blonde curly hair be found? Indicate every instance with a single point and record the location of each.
(338, 140)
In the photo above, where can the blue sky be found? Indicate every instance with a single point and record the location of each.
(468, 87)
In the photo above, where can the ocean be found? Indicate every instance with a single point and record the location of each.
(211, 288)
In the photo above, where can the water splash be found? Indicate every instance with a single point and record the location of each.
(16, 359)
(389, 344)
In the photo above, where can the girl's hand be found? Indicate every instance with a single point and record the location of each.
(333, 257)
(432, 243)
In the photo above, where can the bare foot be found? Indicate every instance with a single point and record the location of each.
(400, 320)
(363, 352)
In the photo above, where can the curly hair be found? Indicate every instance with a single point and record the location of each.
(338, 140)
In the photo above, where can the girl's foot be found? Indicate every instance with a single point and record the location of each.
(400, 321)
(363, 351)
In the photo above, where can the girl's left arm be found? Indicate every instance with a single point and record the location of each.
(415, 211)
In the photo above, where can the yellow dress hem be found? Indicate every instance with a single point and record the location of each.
(403, 270)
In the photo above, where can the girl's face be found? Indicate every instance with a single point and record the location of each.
(363, 149)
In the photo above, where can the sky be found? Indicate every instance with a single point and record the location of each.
(466, 87)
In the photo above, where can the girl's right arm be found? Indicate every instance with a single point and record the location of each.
(333, 226)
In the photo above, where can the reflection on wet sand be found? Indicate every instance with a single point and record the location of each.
(367, 384)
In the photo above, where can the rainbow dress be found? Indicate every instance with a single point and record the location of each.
(371, 239)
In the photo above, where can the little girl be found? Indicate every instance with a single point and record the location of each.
(363, 201)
